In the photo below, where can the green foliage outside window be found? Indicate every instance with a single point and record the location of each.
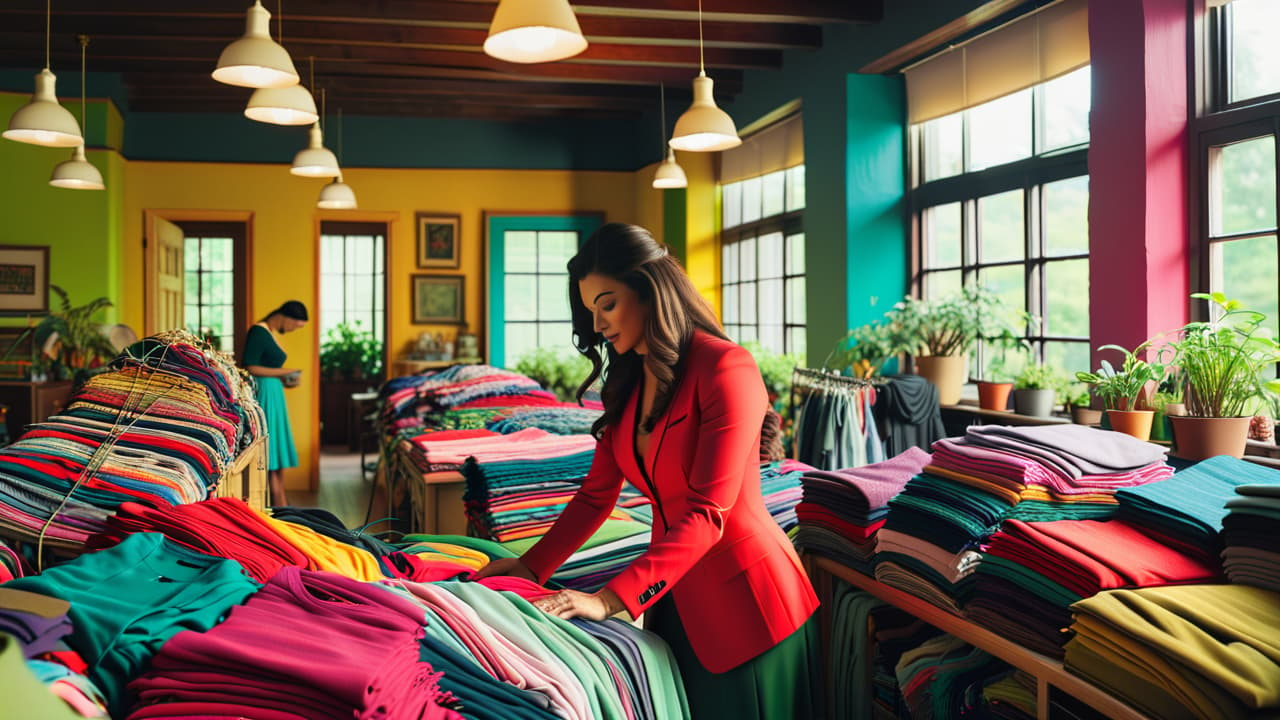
(559, 371)
(350, 353)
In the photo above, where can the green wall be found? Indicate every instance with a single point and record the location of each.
(83, 228)
(674, 218)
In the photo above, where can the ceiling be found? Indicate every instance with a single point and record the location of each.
(423, 57)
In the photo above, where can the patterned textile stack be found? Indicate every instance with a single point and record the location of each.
(410, 401)
(1251, 545)
(160, 429)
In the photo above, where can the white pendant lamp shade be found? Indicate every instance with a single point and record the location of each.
(77, 173)
(256, 60)
(670, 174)
(534, 31)
(704, 127)
(315, 160)
(43, 121)
(337, 195)
(291, 105)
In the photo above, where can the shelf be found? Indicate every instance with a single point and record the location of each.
(1048, 672)
(1004, 417)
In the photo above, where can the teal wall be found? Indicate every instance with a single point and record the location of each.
(855, 162)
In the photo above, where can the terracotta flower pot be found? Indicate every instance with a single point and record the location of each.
(1197, 438)
(1085, 416)
(1132, 422)
(947, 373)
(994, 395)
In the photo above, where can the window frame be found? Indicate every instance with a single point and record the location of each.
(238, 232)
(346, 228)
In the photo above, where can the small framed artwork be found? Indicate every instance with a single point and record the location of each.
(438, 240)
(437, 299)
(24, 279)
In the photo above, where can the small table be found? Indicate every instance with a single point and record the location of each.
(359, 420)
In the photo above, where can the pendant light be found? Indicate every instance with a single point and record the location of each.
(291, 105)
(534, 31)
(337, 195)
(43, 121)
(78, 173)
(704, 127)
(669, 173)
(316, 160)
(255, 60)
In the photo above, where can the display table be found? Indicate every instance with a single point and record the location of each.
(247, 477)
(435, 498)
(408, 366)
(1047, 671)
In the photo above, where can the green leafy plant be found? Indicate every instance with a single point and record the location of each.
(1037, 376)
(1119, 389)
(559, 371)
(350, 353)
(775, 369)
(1075, 394)
(74, 339)
(864, 350)
(1224, 359)
(951, 325)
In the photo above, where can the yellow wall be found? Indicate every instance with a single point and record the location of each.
(648, 202)
(702, 226)
(284, 238)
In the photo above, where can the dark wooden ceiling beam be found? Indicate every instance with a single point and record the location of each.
(395, 108)
(740, 30)
(354, 97)
(814, 12)
(918, 48)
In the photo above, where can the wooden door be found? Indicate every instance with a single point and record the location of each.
(164, 287)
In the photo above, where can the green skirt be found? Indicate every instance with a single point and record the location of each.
(281, 452)
(782, 683)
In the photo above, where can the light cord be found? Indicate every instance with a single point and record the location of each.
(702, 66)
(84, 117)
(662, 127)
(280, 22)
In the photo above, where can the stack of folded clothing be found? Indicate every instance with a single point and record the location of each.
(410, 401)
(780, 485)
(560, 419)
(308, 643)
(1186, 511)
(944, 678)
(450, 449)
(1012, 697)
(39, 624)
(936, 527)
(606, 553)
(160, 429)
(851, 644)
(840, 511)
(1204, 651)
(896, 633)
(1251, 544)
(1031, 573)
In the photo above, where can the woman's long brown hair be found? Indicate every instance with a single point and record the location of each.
(630, 255)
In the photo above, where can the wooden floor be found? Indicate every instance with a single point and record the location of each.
(343, 491)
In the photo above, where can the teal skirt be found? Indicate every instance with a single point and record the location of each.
(281, 452)
(782, 683)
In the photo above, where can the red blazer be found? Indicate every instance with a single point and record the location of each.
(738, 585)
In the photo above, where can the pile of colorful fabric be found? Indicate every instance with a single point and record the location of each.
(1251, 544)
(410, 401)
(780, 485)
(930, 542)
(1031, 573)
(161, 428)
(1203, 651)
(33, 630)
(840, 511)
(227, 612)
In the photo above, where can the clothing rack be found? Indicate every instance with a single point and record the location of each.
(807, 380)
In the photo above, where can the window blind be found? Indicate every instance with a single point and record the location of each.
(777, 147)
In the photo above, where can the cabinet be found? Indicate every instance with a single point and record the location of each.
(30, 402)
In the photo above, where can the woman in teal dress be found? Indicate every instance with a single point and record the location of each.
(264, 359)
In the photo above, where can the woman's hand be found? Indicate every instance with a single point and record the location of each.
(514, 567)
(571, 603)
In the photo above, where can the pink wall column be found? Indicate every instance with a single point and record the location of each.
(1138, 236)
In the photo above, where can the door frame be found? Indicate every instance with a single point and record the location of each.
(177, 217)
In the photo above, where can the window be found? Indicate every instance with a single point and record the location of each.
(353, 277)
(536, 297)
(1002, 198)
(762, 277)
(214, 283)
(1238, 131)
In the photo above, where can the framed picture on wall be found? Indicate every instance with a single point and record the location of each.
(24, 279)
(438, 240)
(437, 299)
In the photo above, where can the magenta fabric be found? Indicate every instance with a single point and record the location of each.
(960, 456)
(877, 484)
(308, 645)
(527, 444)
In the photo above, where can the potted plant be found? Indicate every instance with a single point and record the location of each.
(559, 371)
(350, 362)
(1223, 361)
(1120, 389)
(1079, 404)
(1035, 389)
(864, 350)
(67, 342)
(997, 378)
(939, 333)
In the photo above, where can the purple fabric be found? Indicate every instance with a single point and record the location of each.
(962, 456)
(37, 634)
(1075, 450)
(875, 485)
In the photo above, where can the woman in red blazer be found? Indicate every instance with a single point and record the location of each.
(683, 408)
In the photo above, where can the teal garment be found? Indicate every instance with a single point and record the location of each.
(850, 676)
(260, 348)
(126, 601)
(783, 682)
(281, 452)
(25, 697)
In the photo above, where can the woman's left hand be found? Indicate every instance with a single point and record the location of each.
(571, 603)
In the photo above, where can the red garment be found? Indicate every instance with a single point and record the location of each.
(738, 585)
(419, 569)
(1089, 556)
(527, 589)
(810, 513)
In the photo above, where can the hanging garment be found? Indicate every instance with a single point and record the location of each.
(908, 413)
